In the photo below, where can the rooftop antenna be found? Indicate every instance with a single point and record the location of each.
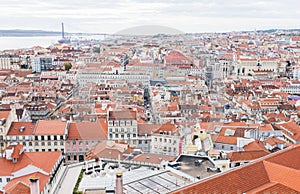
(62, 30)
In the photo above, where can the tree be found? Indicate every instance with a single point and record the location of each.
(68, 66)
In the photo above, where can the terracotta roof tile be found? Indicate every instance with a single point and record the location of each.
(235, 181)
(276, 188)
(278, 172)
(122, 115)
(255, 145)
(21, 184)
(86, 131)
(17, 188)
(16, 126)
(50, 127)
(246, 155)
(290, 158)
(147, 128)
(43, 160)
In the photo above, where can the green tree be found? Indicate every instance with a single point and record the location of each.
(68, 66)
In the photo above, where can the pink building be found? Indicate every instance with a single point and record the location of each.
(81, 137)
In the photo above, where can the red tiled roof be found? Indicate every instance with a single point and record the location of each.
(246, 155)
(147, 128)
(50, 127)
(237, 181)
(255, 146)
(167, 127)
(86, 131)
(21, 184)
(13, 187)
(15, 128)
(276, 188)
(282, 168)
(42, 160)
(4, 114)
(273, 141)
(122, 115)
(226, 139)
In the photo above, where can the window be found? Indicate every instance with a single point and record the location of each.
(30, 143)
(134, 135)
(75, 157)
(222, 147)
(55, 137)
(49, 143)
(49, 137)
(43, 150)
(7, 179)
(42, 138)
(36, 138)
(36, 150)
(110, 130)
(74, 143)
(165, 140)
(49, 150)
(117, 135)
(43, 143)
(0, 180)
(55, 143)
(231, 147)
(61, 137)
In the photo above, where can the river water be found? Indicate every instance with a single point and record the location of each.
(43, 41)
(27, 42)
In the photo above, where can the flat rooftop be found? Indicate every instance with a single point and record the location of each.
(200, 169)
(140, 180)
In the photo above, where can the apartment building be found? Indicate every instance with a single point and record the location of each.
(166, 140)
(122, 126)
(50, 135)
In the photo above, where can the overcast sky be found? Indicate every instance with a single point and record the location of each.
(110, 16)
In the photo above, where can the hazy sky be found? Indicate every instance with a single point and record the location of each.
(113, 15)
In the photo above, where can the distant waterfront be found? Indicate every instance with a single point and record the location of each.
(26, 42)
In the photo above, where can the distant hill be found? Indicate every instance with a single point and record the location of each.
(28, 33)
(149, 30)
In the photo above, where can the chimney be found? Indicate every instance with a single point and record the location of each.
(34, 185)
(119, 183)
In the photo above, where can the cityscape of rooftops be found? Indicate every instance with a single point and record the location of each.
(140, 96)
